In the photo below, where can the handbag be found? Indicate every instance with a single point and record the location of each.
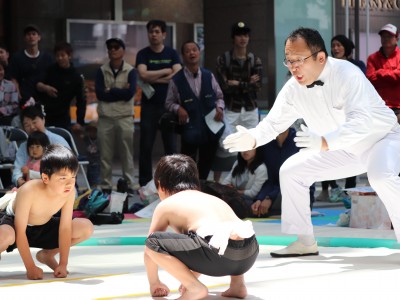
(169, 122)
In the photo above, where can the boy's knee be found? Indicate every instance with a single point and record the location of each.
(7, 236)
(85, 227)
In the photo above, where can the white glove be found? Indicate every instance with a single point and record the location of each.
(308, 139)
(239, 141)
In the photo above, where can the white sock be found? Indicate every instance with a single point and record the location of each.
(307, 240)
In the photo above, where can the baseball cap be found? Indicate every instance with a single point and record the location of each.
(117, 41)
(389, 28)
(31, 27)
(240, 28)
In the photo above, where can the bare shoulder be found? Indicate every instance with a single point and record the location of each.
(31, 188)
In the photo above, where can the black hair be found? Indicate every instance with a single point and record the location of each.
(176, 173)
(347, 44)
(63, 46)
(312, 37)
(38, 138)
(32, 112)
(57, 158)
(242, 163)
(157, 23)
(189, 42)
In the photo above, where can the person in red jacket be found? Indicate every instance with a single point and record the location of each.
(383, 68)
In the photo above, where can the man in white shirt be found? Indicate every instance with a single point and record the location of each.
(349, 131)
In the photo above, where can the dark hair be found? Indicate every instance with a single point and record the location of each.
(32, 112)
(188, 42)
(346, 43)
(242, 164)
(176, 173)
(314, 40)
(57, 158)
(156, 23)
(3, 46)
(38, 138)
(63, 46)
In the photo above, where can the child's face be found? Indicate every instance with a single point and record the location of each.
(248, 155)
(36, 151)
(61, 183)
(63, 59)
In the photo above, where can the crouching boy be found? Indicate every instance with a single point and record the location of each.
(210, 239)
(28, 219)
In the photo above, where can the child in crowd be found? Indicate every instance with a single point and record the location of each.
(248, 174)
(36, 144)
(28, 219)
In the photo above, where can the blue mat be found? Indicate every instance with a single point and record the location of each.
(328, 217)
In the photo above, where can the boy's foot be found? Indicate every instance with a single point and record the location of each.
(296, 249)
(195, 292)
(236, 291)
(44, 257)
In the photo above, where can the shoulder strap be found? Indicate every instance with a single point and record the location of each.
(227, 59)
(251, 55)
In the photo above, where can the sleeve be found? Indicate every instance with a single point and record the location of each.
(228, 179)
(218, 92)
(256, 70)
(140, 59)
(172, 102)
(80, 100)
(20, 160)
(125, 94)
(260, 176)
(270, 190)
(222, 75)
(175, 58)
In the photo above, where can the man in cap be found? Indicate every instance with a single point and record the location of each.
(239, 75)
(383, 68)
(28, 65)
(115, 88)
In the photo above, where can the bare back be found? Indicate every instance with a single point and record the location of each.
(189, 210)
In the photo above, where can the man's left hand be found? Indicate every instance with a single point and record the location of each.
(308, 139)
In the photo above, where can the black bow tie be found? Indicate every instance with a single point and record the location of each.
(317, 82)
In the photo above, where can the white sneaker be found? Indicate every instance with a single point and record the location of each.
(296, 249)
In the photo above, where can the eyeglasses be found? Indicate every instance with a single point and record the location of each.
(115, 47)
(298, 62)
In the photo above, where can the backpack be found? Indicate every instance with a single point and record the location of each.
(107, 218)
(96, 203)
(228, 59)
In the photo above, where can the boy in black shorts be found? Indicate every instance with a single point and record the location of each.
(28, 220)
(210, 239)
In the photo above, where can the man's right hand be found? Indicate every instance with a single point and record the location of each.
(34, 273)
(239, 141)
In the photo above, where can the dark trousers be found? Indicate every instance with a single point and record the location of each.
(150, 115)
(202, 154)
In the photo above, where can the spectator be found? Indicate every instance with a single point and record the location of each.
(4, 56)
(276, 152)
(350, 131)
(32, 119)
(27, 66)
(37, 143)
(342, 48)
(383, 68)
(61, 85)
(198, 84)
(115, 88)
(156, 64)
(8, 98)
(239, 73)
(248, 174)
